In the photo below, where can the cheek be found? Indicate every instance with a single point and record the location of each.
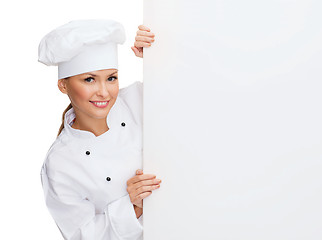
(114, 92)
(80, 94)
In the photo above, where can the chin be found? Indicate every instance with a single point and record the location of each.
(101, 115)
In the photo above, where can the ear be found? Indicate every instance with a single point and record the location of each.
(62, 85)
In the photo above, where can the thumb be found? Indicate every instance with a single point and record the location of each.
(139, 172)
(137, 52)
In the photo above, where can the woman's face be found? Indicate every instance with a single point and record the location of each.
(92, 94)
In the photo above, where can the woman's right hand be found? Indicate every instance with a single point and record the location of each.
(141, 186)
(144, 38)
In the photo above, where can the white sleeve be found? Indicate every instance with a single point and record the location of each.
(77, 219)
(141, 219)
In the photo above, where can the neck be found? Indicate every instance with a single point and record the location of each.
(96, 126)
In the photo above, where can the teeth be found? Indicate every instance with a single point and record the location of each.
(100, 103)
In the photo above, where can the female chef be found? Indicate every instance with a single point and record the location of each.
(88, 175)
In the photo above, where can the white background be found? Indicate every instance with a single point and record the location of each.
(32, 105)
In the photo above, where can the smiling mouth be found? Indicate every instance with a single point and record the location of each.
(100, 104)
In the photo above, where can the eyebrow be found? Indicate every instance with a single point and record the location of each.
(94, 75)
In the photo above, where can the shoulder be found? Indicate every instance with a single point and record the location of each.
(132, 89)
(132, 97)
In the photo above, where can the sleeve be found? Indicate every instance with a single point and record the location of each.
(77, 219)
(141, 219)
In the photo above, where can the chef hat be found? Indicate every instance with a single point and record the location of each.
(82, 46)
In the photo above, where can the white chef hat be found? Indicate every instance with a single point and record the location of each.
(82, 46)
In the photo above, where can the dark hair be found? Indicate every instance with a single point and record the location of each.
(63, 119)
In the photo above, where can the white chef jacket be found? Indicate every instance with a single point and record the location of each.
(84, 177)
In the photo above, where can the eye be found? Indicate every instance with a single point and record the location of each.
(111, 79)
(89, 79)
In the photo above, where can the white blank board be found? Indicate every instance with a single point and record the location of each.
(233, 120)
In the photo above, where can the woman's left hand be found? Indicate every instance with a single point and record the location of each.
(144, 38)
(140, 187)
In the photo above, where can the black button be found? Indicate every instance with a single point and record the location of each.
(123, 124)
(108, 179)
(88, 153)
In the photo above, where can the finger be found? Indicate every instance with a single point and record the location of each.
(141, 44)
(139, 191)
(146, 189)
(140, 197)
(144, 39)
(139, 178)
(144, 33)
(144, 28)
(145, 183)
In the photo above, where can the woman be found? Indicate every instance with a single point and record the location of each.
(88, 175)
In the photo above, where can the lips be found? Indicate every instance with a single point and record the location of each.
(100, 104)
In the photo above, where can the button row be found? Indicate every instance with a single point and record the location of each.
(108, 178)
(88, 152)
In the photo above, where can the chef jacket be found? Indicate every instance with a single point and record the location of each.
(84, 177)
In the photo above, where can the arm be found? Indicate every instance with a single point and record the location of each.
(144, 38)
(77, 217)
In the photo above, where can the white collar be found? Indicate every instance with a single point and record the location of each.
(114, 120)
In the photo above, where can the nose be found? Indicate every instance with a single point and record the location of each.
(102, 90)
